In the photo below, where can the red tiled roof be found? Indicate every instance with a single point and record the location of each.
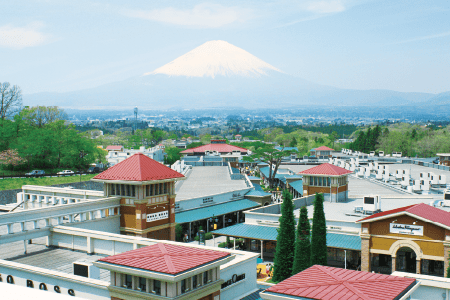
(326, 169)
(323, 148)
(138, 167)
(319, 282)
(421, 210)
(114, 148)
(165, 258)
(221, 148)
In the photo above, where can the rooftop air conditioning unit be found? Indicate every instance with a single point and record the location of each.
(442, 179)
(381, 153)
(372, 153)
(434, 179)
(372, 204)
(447, 198)
(86, 269)
(405, 181)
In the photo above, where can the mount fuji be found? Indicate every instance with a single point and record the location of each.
(218, 74)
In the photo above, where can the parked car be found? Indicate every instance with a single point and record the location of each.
(66, 172)
(36, 173)
(93, 170)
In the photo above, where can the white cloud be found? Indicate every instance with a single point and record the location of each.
(326, 7)
(428, 37)
(204, 15)
(22, 37)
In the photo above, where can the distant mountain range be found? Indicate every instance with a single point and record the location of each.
(218, 74)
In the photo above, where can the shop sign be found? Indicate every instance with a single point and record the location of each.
(235, 278)
(158, 216)
(406, 229)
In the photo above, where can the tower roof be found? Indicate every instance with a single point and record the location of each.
(323, 148)
(320, 282)
(221, 148)
(326, 169)
(424, 211)
(165, 258)
(138, 167)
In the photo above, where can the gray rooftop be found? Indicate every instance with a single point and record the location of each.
(205, 181)
(57, 259)
(358, 188)
(416, 170)
(344, 211)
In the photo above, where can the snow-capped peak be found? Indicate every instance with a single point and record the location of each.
(215, 58)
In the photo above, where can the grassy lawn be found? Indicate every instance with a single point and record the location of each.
(270, 281)
(16, 183)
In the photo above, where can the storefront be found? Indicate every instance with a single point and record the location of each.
(413, 239)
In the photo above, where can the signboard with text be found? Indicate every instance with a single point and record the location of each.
(406, 229)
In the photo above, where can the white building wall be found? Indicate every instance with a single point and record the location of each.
(111, 225)
(83, 287)
(243, 287)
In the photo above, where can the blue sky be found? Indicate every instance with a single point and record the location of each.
(60, 46)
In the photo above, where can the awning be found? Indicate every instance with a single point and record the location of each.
(334, 240)
(216, 210)
(297, 185)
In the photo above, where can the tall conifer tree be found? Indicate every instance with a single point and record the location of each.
(284, 254)
(302, 255)
(319, 234)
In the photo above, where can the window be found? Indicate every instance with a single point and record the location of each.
(205, 277)
(183, 286)
(157, 287)
(143, 284)
(194, 282)
(128, 281)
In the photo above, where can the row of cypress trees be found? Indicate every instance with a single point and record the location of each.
(296, 252)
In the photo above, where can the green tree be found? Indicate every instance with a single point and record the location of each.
(10, 100)
(293, 143)
(319, 234)
(284, 256)
(194, 144)
(333, 136)
(270, 155)
(302, 255)
(39, 116)
(178, 233)
(173, 154)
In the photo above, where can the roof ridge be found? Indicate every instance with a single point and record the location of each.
(323, 269)
(355, 290)
(140, 164)
(166, 257)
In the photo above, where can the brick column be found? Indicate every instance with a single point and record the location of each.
(446, 257)
(418, 266)
(365, 253)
